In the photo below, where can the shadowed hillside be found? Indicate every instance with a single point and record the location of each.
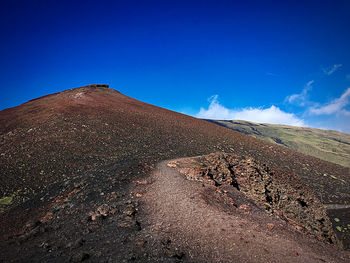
(74, 166)
(328, 145)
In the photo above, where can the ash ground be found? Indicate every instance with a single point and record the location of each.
(76, 164)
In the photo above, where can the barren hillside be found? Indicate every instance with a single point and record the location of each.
(76, 166)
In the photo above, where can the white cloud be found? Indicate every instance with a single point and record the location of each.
(335, 106)
(301, 98)
(330, 70)
(269, 115)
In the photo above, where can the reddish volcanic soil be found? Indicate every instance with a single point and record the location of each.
(197, 224)
(78, 163)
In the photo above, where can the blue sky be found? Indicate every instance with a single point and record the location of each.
(266, 61)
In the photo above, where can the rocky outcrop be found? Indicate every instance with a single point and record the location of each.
(280, 193)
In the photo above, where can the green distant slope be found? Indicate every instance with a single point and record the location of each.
(332, 146)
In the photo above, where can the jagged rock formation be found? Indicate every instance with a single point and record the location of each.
(280, 193)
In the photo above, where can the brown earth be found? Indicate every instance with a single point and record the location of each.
(77, 162)
(277, 192)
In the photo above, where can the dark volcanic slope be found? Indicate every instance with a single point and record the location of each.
(95, 143)
(78, 129)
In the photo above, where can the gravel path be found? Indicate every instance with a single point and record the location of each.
(182, 212)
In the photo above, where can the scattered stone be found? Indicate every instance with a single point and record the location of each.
(45, 245)
(130, 212)
(101, 212)
(93, 216)
(142, 182)
(245, 207)
(299, 228)
(230, 200)
(140, 243)
(270, 226)
(46, 217)
(79, 257)
(32, 224)
(172, 164)
(79, 242)
(138, 195)
(178, 255)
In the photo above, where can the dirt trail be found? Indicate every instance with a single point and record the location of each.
(192, 221)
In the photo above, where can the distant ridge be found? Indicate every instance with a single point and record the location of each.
(328, 145)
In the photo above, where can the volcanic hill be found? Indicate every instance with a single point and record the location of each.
(83, 178)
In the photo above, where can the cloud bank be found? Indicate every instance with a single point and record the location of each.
(336, 106)
(330, 70)
(268, 115)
